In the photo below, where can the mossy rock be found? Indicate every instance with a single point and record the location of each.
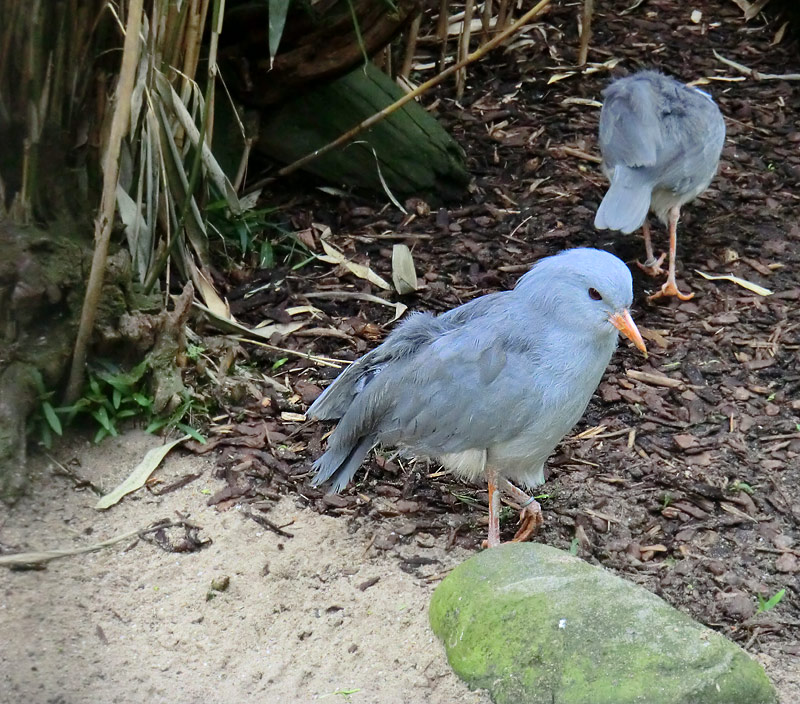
(535, 625)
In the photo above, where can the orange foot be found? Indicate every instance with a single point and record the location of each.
(652, 267)
(670, 288)
(530, 519)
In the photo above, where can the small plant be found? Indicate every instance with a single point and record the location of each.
(111, 396)
(44, 421)
(737, 485)
(771, 603)
(573, 546)
(254, 233)
(666, 500)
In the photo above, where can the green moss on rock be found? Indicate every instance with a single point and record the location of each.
(533, 624)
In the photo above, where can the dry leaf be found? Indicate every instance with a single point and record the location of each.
(334, 256)
(404, 275)
(744, 283)
(139, 475)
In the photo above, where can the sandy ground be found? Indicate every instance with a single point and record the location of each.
(132, 623)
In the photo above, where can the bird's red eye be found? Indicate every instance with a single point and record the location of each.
(594, 294)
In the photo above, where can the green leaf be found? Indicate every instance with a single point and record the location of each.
(52, 417)
(101, 416)
(155, 425)
(142, 400)
(45, 436)
(277, 20)
(772, 602)
(116, 398)
(38, 381)
(267, 256)
(280, 363)
(189, 430)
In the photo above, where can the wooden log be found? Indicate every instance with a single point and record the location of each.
(319, 43)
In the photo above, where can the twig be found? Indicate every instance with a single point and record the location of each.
(264, 521)
(580, 154)
(419, 90)
(586, 31)
(325, 361)
(108, 201)
(25, 559)
(654, 379)
(757, 75)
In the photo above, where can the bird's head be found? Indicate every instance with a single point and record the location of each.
(588, 290)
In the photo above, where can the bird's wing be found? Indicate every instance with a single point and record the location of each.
(408, 338)
(695, 133)
(469, 390)
(630, 131)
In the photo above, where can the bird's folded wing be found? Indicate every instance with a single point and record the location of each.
(472, 392)
(630, 129)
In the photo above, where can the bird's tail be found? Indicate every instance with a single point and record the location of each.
(340, 461)
(626, 203)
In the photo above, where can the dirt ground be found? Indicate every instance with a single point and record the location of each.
(686, 485)
(318, 614)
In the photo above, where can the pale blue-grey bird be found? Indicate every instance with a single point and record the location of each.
(660, 141)
(488, 388)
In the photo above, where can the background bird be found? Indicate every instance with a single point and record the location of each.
(488, 388)
(661, 141)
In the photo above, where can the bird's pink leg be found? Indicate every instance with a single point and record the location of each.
(530, 515)
(652, 266)
(670, 288)
(494, 509)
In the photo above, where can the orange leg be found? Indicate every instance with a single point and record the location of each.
(494, 509)
(652, 266)
(530, 515)
(670, 288)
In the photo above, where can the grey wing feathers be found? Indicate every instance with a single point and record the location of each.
(414, 332)
(624, 206)
(630, 129)
(407, 392)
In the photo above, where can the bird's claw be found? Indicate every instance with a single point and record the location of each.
(530, 520)
(671, 289)
(652, 267)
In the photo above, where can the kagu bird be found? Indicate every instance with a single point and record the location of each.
(488, 388)
(661, 141)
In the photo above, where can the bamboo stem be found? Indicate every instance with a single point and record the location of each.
(419, 90)
(463, 47)
(411, 46)
(486, 20)
(586, 31)
(441, 33)
(105, 217)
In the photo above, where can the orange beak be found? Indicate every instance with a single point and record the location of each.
(624, 323)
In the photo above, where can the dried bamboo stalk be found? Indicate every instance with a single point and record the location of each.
(586, 31)
(441, 33)
(463, 47)
(108, 202)
(503, 15)
(486, 20)
(411, 46)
